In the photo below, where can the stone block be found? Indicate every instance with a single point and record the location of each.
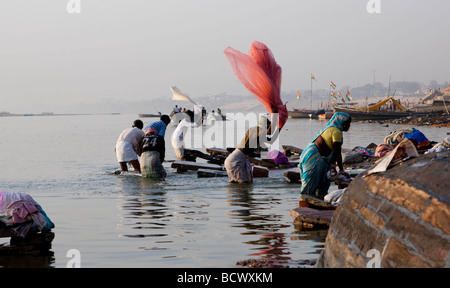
(404, 213)
(398, 192)
(398, 255)
(437, 213)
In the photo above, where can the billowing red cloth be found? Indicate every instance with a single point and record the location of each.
(261, 75)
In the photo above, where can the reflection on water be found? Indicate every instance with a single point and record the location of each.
(26, 261)
(145, 208)
(24, 258)
(189, 219)
(252, 209)
(256, 214)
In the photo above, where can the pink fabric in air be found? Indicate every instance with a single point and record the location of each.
(261, 75)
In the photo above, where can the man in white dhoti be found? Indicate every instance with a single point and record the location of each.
(237, 164)
(127, 146)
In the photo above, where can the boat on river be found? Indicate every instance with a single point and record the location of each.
(301, 113)
(372, 115)
(373, 112)
(149, 115)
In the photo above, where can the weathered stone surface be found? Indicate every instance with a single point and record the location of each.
(292, 176)
(403, 213)
(437, 214)
(398, 255)
(317, 203)
(289, 150)
(260, 172)
(314, 217)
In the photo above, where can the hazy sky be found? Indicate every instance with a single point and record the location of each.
(137, 49)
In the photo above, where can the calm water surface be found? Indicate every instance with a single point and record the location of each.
(66, 164)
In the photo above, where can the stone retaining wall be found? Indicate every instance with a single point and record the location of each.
(398, 218)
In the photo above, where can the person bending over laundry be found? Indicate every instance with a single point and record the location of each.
(127, 146)
(321, 153)
(152, 150)
(160, 125)
(237, 164)
(180, 132)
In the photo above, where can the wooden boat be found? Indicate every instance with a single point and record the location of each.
(382, 115)
(325, 116)
(301, 113)
(372, 115)
(149, 115)
(372, 112)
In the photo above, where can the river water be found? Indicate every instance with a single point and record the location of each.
(66, 164)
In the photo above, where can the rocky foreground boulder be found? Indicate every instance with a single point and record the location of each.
(398, 218)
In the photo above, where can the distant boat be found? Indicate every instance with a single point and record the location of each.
(149, 115)
(301, 113)
(372, 112)
(305, 113)
(372, 115)
(325, 116)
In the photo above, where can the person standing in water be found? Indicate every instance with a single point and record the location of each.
(180, 132)
(127, 146)
(160, 125)
(152, 150)
(322, 152)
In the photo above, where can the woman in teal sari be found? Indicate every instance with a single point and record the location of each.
(323, 151)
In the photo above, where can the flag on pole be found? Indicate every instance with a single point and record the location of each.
(349, 96)
(342, 97)
(334, 102)
(333, 94)
(332, 85)
(312, 77)
(298, 95)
